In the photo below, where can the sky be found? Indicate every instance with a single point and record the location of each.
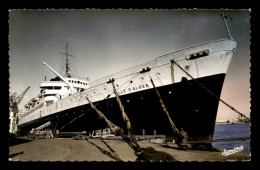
(106, 41)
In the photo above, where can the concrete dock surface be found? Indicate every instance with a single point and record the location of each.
(68, 149)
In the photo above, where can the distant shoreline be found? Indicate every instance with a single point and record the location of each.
(228, 123)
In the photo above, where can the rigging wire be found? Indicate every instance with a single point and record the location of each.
(197, 69)
(42, 71)
(210, 92)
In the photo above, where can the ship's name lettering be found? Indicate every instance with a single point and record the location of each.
(134, 88)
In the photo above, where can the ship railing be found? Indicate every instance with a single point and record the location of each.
(123, 73)
(80, 78)
(159, 61)
(77, 96)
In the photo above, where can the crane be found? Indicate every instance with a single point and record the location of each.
(15, 100)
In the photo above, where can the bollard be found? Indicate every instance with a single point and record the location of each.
(57, 133)
(154, 133)
(143, 132)
(101, 134)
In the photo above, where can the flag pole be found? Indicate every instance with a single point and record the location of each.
(223, 16)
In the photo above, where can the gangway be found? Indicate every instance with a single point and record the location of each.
(40, 133)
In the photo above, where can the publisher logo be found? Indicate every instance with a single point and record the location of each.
(232, 151)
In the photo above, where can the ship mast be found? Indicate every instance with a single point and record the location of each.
(67, 61)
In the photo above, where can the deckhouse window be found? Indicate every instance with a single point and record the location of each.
(57, 87)
(198, 54)
(46, 95)
(48, 87)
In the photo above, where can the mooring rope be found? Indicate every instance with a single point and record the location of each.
(133, 77)
(210, 92)
(113, 156)
(111, 149)
(116, 129)
(112, 126)
(175, 129)
(125, 117)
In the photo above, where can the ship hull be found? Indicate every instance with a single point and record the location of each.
(190, 106)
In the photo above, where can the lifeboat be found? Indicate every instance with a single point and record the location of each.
(27, 105)
(30, 103)
(35, 99)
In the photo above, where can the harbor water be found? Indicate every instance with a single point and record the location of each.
(233, 131)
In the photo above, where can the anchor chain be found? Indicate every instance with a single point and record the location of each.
(210, 92)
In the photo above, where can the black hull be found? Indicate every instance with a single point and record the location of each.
(190, 106)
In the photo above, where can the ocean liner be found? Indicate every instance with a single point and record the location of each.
(180, 77)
